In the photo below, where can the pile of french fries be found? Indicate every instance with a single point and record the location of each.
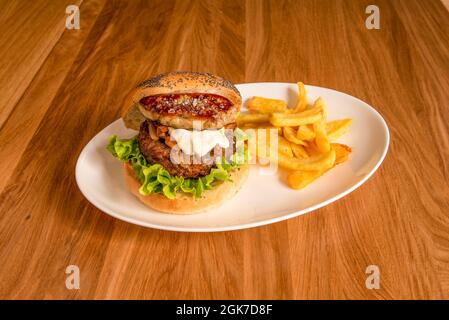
(306, 147)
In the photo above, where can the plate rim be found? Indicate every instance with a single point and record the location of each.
(248, 225)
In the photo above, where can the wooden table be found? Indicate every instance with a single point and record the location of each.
(60, 87)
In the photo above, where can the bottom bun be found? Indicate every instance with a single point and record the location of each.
(184, 202)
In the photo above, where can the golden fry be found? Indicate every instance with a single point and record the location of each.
(284, 146)
(302, 99)
(321, 139)
(342, 152)
(265, 105)
(305, 133)
(319, 105)
(263, 150)
(289, 134)
(255, 125)
(303, 136)
(266, 130)
(295, 119)
(300, 179)
(312, 148)
(315, 163)
(335, 129)
(299, 151)
(252, 118)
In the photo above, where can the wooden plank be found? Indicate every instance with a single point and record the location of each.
(42, 90)
(392, 68)
(101, 75)
(398, 220)
(446, 3)
(30, 29)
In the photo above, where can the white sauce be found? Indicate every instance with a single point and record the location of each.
(199, 142)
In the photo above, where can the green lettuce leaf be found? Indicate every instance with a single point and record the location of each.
(155, 179)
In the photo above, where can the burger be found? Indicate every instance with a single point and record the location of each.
(188, 155)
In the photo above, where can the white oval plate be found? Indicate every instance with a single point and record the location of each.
(264, 198)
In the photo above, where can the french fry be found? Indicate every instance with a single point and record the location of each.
(302, 99)
(305, 133)
(300, 179)
(335, 129)
(252, 118)
(284, 146)
(312, 148)
(265, 105)
(304, 138)
(321, 139)
(255, 125)
(299, 151)
(342, 152)
(319, 105)
(289, 134)
(315, 163)
(295, 119)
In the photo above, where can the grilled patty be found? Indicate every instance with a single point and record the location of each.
(156, 150)
(180, 110)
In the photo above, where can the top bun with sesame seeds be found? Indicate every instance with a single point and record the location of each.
(183, 99)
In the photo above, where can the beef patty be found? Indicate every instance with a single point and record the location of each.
(155, 149)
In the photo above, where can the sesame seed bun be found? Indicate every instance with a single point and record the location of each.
(182, 82)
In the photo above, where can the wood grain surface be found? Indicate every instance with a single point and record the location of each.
(60, 87)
